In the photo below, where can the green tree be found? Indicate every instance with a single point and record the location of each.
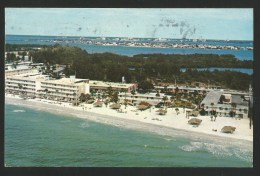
(82, 97)
(165, 98)
(146, 86)
(114, 97)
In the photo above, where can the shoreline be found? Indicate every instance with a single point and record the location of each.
(129, 122)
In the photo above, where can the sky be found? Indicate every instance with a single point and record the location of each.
(191, 23)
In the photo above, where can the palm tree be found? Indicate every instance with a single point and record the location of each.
(165, 98)
(14, 65)
(67, 96)
(177, 110)
(157, 94)
(87, 97)
(57, 95)
(212, 104)
(20, 87)
(233, 105)
(133, 93)
(165, 89)
(46, 92)
(25, 91)
(176, 90)
(211, 114)
(125, 103)
(74, 94)
(114, 97)
(109, 91)
(172, 98)
(103, 96)
(106, 103)
(82, 97)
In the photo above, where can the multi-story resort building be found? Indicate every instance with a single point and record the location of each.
(28, 83)
(64, 89)
(38, 85)
(101, 85)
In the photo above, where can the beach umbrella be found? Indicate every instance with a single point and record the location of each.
(228, 129)
(142, 107)
(90, 101)
(195, 121)
(195, 113)
(129, 103)
(161, 111)
(24, 96)
(98, 104)
(115, 106)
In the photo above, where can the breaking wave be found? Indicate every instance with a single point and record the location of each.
(220, 151)
(18, 110)
(84, 125)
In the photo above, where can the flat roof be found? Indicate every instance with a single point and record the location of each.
(187, 88)
(59, 69)
(65, 81)
(94, 83)
(238, 100)
(13, 70)
(212, 97)
(144, 95)
(29, 76)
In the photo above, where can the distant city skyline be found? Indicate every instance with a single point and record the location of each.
(206, 23)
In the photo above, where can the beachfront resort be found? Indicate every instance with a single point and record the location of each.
(210, 110)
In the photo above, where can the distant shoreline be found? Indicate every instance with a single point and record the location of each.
(122, 37)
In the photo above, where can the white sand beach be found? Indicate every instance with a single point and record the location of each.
(148, 119)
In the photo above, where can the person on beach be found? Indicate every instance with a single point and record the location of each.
(215, 117)
(211, 118)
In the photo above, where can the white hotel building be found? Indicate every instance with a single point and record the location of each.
(29, 82)
(66, 89)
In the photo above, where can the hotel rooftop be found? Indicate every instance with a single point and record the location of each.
(108, 84)
(66, 81)
(29, 76)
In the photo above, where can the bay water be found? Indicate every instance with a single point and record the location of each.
(130, 51)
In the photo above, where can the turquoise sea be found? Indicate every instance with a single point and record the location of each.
(39, 138)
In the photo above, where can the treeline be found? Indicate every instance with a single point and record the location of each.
(153, 67)
(199, 60)
(226, 79)
(22, 47)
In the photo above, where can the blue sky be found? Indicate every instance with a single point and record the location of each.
(232, 24)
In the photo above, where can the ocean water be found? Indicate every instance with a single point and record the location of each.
(130, 51)
(39, 138)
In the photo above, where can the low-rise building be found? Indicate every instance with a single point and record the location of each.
(224, 103)
(149, 97)
(14, 72)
